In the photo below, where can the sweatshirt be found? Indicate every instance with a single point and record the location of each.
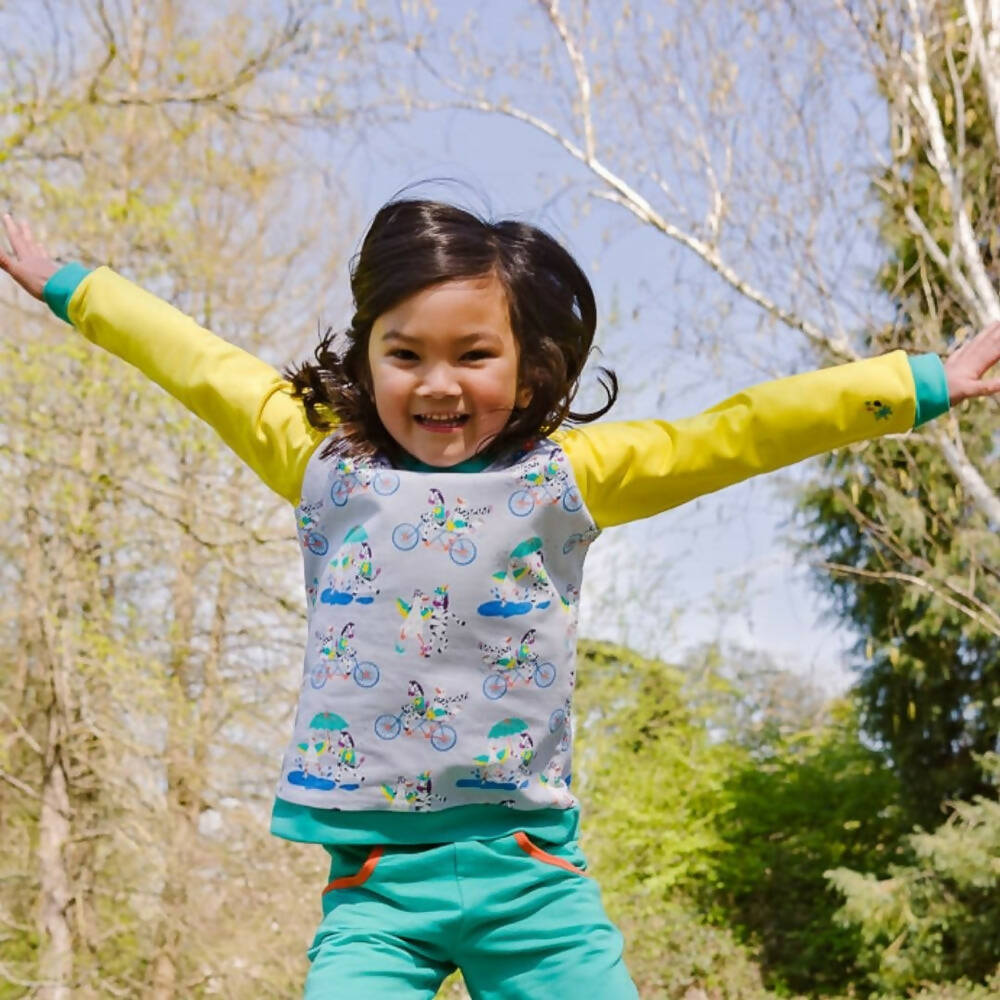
(435, 701)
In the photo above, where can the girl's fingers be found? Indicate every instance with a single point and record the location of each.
(985, 356)
(27, 240)
(987, 388)
(22, 240)
(15, 236)
(970, 388)
(12, 235)
(966, 367)
(30, 240)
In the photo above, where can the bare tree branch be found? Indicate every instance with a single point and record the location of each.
(989, 623)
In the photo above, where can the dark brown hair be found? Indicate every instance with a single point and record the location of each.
(412, 245)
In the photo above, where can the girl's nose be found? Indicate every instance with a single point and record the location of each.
(439, 380)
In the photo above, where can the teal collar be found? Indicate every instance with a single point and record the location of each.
(474, 464)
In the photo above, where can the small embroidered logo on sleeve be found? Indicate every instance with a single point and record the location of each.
(882, 411)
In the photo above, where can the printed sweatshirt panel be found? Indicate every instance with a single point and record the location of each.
(440, 657)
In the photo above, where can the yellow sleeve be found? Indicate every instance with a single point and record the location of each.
(247, 402)
(634, 469)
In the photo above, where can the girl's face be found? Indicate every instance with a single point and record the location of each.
(443, 369)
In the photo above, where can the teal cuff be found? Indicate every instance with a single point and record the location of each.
(60, 287)
(932, 387)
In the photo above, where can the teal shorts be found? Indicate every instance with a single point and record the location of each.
(519, 918)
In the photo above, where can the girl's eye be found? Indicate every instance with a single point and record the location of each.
(476, 355)
(402, 354)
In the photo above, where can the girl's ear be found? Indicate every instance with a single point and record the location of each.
(523, 397)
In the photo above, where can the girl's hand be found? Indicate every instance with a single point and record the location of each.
(30, 266)
(965, 367)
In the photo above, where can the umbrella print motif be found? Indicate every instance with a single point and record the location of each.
(526, 548)
(328, 721)
(511, 587)
(353, 571)
(485, 776)
(309, 776)
(510, 726)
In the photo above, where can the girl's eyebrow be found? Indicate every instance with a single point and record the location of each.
(466, 338)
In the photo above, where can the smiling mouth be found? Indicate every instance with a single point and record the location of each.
(443, 422)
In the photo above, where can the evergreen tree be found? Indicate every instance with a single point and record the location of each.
(909, 556)
(938, 918)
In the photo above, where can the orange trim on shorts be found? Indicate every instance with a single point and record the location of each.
(549, 859)
(361, 876)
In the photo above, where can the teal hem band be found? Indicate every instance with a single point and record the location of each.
(932, 387)
(60, 287)
(443, 826)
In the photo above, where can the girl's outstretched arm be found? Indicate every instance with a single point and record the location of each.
(633, 469)
(244, 399)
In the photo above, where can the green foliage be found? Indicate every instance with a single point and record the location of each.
(640, 742)
(797, 805)
(651, 779)
(929, 665)
(961, 989)
(803, 789)
(674, 952)
(937, 918)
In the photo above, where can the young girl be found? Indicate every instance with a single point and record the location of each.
(444, 512)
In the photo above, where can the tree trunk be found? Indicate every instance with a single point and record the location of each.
(55, 958)
(184, 780)
(55, 949)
